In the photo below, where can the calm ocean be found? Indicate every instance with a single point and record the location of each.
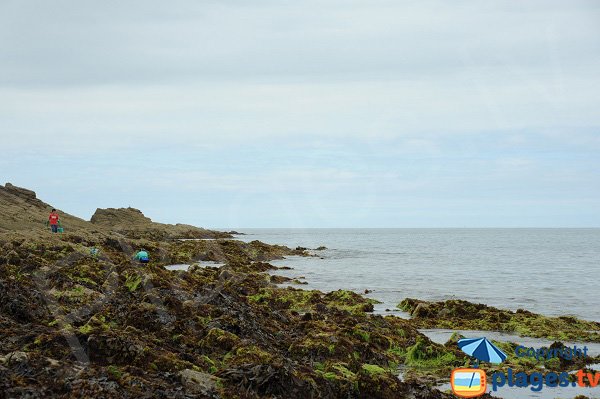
(548, 271)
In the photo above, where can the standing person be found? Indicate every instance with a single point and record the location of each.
(142, 256)
(54, 221)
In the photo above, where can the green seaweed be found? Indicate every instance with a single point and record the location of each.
(458, 314)
(425, 354)
(373, 369)
(132, 282)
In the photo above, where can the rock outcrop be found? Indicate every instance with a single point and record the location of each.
(23, 193)
(133, 223)
(111, 217)
(21, 210)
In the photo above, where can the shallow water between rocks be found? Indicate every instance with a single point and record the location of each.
(185, 266)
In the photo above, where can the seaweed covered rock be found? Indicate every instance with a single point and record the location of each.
(105, 326)
(459, 314)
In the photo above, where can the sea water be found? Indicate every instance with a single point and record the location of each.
(547, 271)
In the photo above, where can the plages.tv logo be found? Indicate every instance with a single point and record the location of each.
(468, 383)
(471, 382)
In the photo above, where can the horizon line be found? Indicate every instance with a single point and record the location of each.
(407, 228)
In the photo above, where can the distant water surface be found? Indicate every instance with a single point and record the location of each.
(548, 271)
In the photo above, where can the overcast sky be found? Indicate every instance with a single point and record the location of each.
(306, 113)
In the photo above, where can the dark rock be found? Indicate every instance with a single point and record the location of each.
(225, 275)
(422, 310)
(279, 279)
(320, 307)
(13, 258)
(198, 382)
(16, 357)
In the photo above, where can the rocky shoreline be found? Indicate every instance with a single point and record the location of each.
(72, 325)
(77, 324)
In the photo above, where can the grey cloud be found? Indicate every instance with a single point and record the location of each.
(58, 43)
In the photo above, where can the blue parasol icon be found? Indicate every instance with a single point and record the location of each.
(482, 349)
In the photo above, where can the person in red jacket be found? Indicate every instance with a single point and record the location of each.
(54, 221)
